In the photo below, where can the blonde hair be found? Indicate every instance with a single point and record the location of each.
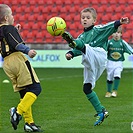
(91, 10)
(4, 10)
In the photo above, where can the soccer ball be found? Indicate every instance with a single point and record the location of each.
(56, 26)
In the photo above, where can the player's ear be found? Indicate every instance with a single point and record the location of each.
(6, 18)
(94, 21)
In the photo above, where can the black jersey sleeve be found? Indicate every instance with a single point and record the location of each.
(12, 36)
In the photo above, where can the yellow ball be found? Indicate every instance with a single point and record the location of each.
(56, 26)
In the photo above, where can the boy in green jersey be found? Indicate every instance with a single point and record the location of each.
(116, 49)
(92, 45)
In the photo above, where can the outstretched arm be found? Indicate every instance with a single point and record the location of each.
(124, 20)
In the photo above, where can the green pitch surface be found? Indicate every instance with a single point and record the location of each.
(62, 106)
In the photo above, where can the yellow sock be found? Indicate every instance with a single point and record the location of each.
(26, 102)
(28, 118)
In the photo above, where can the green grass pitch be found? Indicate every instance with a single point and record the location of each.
(62, 106)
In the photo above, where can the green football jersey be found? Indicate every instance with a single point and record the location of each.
(116, 50)
(95, 36)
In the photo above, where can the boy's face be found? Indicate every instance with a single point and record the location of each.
(87, 19)
(117, 35)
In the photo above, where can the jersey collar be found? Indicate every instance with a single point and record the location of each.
(89, 28)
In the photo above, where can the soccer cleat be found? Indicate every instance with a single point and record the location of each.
(67, 36)
(114, 94)
(106, 113)
(108, 94)
(32, 128)
(100, 117)
(14, 117)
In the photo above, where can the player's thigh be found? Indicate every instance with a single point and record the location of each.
(89, 76)
(111, 66)
(10, 71)
(117, 72)
(110, 74)
(119, 69)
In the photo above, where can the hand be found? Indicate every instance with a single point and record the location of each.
(68, 56)
(18, 27)
(124, 20)
(32, 53)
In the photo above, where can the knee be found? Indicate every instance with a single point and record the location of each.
(38, 90)
(87, 88)
(35, 88)
(22, 93)
(109, 82)
(116, 78)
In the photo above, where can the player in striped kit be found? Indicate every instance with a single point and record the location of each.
(92, 45)
(116, 49)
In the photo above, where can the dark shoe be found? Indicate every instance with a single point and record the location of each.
(67, 36)
(32, 128)
(14, 117)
